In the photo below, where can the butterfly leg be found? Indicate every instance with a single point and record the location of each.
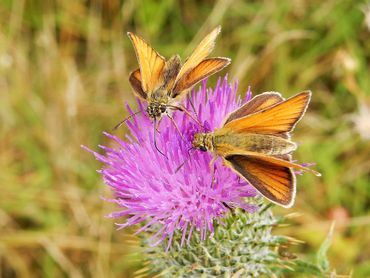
(176, 126)
(183, 109)
(192, 106)
(213, 168)
(182, 164)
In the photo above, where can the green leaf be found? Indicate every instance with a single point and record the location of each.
(321, 257)
(307, 268)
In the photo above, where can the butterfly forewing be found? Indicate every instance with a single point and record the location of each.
(150, 62)
(204, 48)
(276, 119)
(204, 69)
(274, 181)
(257, 103)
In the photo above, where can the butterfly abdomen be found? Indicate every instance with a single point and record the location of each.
(261, 143)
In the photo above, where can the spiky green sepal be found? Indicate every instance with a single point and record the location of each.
(243, 246)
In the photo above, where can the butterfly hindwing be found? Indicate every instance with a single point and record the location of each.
(135, 81)
(275, 182)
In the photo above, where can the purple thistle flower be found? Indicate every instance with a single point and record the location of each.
(149, 188)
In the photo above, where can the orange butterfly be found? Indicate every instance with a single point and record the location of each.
(164, 83)
(255, 142)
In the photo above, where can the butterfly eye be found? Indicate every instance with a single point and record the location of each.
(163, 108)
(203, 149)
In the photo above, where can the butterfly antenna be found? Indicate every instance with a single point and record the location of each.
(123, 121)
(186, 160)
(155, 141)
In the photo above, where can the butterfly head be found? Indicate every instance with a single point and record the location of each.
(203, 142)
(155, 109)
(157, 104)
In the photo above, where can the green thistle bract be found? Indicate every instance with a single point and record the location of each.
(243, 247)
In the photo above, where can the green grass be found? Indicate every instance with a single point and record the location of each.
(63, 80)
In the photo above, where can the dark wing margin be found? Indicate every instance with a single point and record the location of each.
(203, 70)
(135, 81)
(204, 48)
(275, 182)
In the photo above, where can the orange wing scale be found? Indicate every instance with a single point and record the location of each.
(204, 48)
(273, 181)
(150, 62)
(257, 103)
(204, 69)
(275, 119)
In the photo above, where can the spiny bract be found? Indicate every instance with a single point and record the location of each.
(243, 246)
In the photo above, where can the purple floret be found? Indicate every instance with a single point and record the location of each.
(146, 185)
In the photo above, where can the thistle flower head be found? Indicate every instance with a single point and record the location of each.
(151, 189)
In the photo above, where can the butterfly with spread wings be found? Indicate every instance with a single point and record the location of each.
(162, 84)
(254, 141)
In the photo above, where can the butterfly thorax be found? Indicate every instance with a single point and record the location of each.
(203, 141)
(236, 143)
(157, 104)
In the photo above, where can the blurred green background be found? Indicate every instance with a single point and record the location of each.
(63, 80)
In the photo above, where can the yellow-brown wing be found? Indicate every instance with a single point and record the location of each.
(276, 119)
(150, 62)
(275, 182)
(135, 81)
(257, 103)
(204, 69)
(204, 48)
